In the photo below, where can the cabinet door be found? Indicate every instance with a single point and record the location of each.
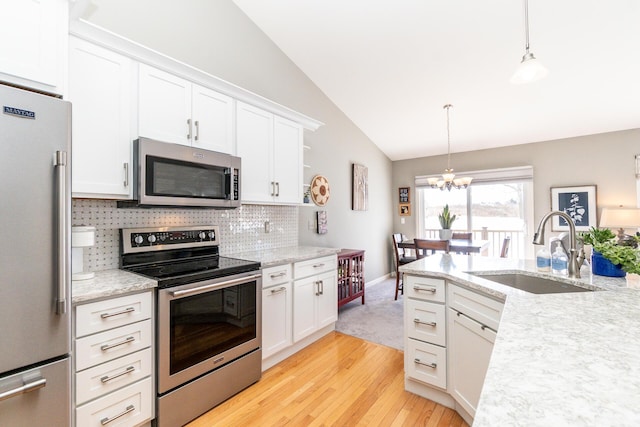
(164, 112)
(276, 319)
(100, 90)
(470, 347)
(304, 307)
(287, 160)
(33, 43)
(212, 115)
(327, 301)
(254, 138)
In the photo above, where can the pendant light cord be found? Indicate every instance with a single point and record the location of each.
(526, 25)
(447, 107)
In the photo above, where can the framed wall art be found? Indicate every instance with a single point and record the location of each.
(577, 202)
(403, 195)
(322, 222)
(360, 199)
(404, 209)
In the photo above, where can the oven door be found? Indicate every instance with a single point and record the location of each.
(203, 326)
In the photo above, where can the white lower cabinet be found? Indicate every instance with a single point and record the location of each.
(277, 309)
(314, 297)
(113, 353)
(470, 347)
(449, 336)
(299, 306)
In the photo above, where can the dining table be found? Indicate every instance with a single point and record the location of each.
(461, 246)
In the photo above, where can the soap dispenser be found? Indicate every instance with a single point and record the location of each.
(559, 260)
(543, 260)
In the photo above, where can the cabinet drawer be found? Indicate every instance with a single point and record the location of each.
(425, 321)
(478, 307)
(109, 345)
(129, 406)
(426, 362)
(276, 275)
(425, 288)
(110, 376)
(102, 315)
(314, 266)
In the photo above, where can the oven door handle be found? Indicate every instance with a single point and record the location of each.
(212, 286)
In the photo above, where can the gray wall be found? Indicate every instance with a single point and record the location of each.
(606, 160)
(216, 37)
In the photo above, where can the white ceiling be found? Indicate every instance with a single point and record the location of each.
(391, 65)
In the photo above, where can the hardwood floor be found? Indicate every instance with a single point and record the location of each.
(339, 380)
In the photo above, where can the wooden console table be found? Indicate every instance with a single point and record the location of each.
(350, 275)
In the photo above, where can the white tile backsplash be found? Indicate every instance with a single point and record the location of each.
(241, 229)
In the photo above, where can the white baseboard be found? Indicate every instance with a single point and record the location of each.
(378, 280)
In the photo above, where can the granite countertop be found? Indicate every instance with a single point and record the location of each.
(109, 283)
(568, 359)
(272, 257)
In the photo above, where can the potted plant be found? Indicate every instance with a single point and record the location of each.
(306, 196)
(446, 220)
(609, 258)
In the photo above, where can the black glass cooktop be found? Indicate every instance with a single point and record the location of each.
(174, 273)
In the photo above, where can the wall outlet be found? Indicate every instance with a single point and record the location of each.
(311, 224)
(267, 227)
(401, 220)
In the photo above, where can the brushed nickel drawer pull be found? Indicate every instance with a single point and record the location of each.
(433, 365)
(117, 313)
(123, 342)
(418, 288)
(318, 265)
(275, 276)
(107, 420)
(108, 378)
(416, 320)
(277, 291)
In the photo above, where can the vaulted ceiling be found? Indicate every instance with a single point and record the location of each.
(391, 65)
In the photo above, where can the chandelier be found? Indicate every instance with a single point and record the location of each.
(449, 180)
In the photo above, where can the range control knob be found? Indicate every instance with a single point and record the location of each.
(201, 235)
(212, 235)
(138, 239)
(151, 238)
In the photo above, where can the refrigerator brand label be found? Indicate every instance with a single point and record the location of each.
(20, 113)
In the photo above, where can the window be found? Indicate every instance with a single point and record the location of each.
(498, 204)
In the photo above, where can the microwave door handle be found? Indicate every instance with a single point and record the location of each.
(228, 183)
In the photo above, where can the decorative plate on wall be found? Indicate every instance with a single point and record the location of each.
(319, 190)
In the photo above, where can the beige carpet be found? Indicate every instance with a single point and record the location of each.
(379, 320)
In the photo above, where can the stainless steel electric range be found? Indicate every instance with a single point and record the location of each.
(208, 317)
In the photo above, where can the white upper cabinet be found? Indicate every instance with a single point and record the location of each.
(288, 159)
(33, 43)
(100, 89)
(172, 109)
(271, 152)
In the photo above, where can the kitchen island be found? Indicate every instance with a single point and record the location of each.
(559, 359)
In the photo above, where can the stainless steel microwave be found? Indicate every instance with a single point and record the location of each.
(176, 175)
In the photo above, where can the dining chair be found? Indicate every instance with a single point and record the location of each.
(401, 258)
(461, 235)
(423, 245)
(504, 252)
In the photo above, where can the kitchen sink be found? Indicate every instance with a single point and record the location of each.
(532, 284)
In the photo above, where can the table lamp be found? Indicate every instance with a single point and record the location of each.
(81, 237)
(620, 218)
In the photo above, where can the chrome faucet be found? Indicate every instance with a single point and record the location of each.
(575, 257)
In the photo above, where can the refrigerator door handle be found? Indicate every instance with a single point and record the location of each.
(25, 388)
(61, 169)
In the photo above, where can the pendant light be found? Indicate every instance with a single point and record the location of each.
(530, 69)
(449, 180)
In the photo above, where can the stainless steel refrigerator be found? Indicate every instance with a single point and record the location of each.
(35, 300)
